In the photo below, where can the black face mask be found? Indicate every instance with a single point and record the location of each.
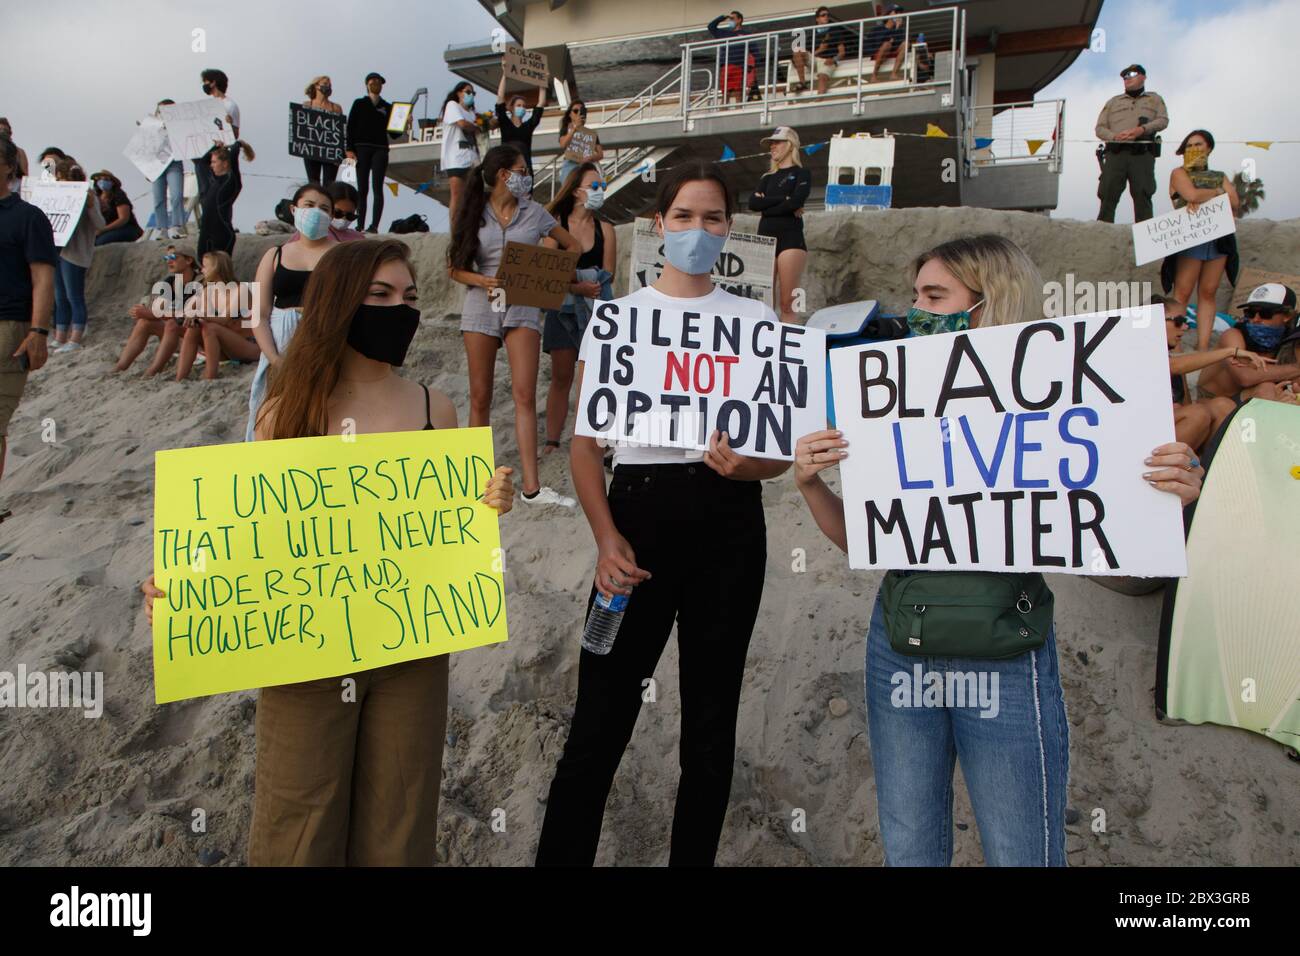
(1136, 93)
(383, 332)
(207, 89)
(325, 90)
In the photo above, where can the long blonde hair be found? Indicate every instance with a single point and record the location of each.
(311, 87)
(996, 270)
(796, 153)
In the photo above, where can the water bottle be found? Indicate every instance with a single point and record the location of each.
(603, 623)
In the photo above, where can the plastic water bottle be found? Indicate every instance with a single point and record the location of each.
(603, 623)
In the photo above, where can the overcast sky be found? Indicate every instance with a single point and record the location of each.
(79, 76)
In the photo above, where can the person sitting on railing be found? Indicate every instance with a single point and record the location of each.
(885, 40)
(739, 58)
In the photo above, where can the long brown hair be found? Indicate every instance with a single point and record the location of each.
(562, 204)
(304, 378)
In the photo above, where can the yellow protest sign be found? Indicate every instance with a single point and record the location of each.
(286, 561)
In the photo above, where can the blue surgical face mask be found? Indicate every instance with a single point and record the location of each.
(104, 184)
(1265, 336)
(521, 112)
(922, 322)
(595, 198)
(519, 184)
(693, 251)
(313, 223)
(469, 101)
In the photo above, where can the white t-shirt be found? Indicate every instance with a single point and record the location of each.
(232, 110)
(456, 155)
(720, 301)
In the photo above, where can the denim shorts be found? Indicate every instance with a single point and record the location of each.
(1205, 252)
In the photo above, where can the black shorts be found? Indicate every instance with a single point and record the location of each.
(787, 232)
(460, 172)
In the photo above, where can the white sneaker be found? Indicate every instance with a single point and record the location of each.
(153, 235)
(548, 496)
(175, 232)
(68, 347)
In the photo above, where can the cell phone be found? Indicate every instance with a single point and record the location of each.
(24, 362)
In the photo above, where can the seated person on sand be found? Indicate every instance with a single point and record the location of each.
(1267, 328)
(154, 315)
(220, 331)
(1195, 422)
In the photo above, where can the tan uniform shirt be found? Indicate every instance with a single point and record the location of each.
(1123, 112)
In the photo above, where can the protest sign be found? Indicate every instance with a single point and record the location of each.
(744, 267)
(1249, 279)
(536, 275)
(194, 127)
(63, 203)
(149, 150)
(1171, 232)
(526, 66)
(669, 378)
(286, 561)
(1011, 448)
(316, 134)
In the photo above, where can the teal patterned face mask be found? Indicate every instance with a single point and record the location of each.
(922, 322)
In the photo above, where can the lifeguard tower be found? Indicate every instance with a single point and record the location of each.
(860, 172)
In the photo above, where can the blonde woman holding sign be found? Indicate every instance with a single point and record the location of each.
(681, 536)
(1014, 747)
(353, 780)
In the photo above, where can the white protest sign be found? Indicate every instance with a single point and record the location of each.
(1011, 448)
(669, 378)
(1172, 232)
(194, 127)
(149, 149)
(744, 268)
(63, 203)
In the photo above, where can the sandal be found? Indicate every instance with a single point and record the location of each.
(549, 443)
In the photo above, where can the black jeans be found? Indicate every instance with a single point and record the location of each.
(372, 164)
(703, 539)
(320, 172)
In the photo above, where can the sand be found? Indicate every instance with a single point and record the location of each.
(123, 789)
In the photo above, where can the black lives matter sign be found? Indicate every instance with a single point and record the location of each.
(316, 134)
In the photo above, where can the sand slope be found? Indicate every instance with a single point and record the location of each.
(123, 789)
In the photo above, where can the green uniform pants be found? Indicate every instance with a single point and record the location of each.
(1137, 171)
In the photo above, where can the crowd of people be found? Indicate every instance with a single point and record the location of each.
(338, 783)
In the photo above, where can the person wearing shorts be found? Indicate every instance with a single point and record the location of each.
(27, 261)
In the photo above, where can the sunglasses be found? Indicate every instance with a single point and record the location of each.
(1129, 74)
(346, 216)
(1178, 320)
(169, 257)
(578, 109)
(1251, 312)
(598, 185)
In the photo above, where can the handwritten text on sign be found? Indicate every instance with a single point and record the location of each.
(316, 134)
(149, 149)
(1174, 231)
(286, 561)
(526, 66)
(1017, 447)
(63, 203)
(194, 127)
(670, 378)
(744, 268)
(536, 275)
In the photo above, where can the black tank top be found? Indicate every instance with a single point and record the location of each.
(287, 285)
(428, 418)
(593, 258)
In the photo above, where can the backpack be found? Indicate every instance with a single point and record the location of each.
(412, 223)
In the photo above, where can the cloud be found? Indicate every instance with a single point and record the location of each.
(1214, 65)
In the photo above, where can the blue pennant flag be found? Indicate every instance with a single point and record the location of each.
(983, 142)
(728, 154)
(813, 147)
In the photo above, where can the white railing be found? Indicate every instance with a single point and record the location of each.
(924, 55)
(1008, 134)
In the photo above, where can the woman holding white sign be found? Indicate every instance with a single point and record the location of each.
(353, 778)
(496, 209)
(686, 529)
(1013, 744)
(1200, 268)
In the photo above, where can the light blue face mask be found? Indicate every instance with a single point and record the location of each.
(469, 101)
(693, 251)
(922, 322)
(595, 198)
(520, 112)
(313, 223)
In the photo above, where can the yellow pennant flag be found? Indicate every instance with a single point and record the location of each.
(932, 130)
(1261, 143)
(1033, 145)
(294, 560)
(393, 187)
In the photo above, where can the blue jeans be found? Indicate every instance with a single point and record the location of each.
(69, 296)
(173, 180)
(1013, 743)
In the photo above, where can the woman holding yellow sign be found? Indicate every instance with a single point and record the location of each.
(351, 775)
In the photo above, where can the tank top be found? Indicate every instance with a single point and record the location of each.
(428, 417)
(593, 258)
(287, 285)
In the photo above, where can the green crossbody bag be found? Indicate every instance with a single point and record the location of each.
(966, 613)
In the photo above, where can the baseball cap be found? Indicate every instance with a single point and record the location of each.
(185, 247)
(1133, 68)
(782, 134)
(894, 8)
(1273, 294)
(375, 76)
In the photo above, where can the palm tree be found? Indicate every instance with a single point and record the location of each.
(1249, 191)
